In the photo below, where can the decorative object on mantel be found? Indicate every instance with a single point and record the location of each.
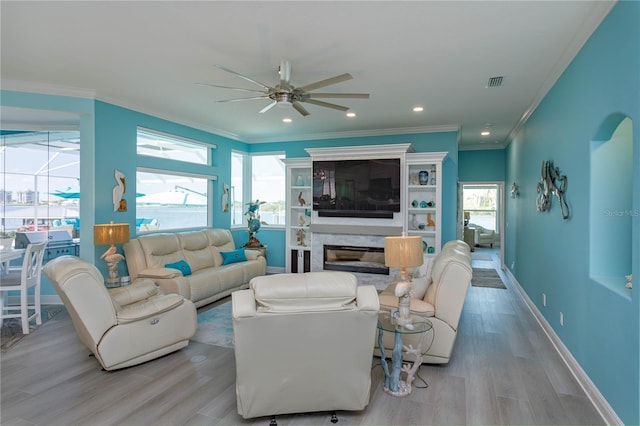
(629, 278)
(225, 198)
(254, 223)
(403, 252)
(119, 203)
(111, 234)
(515, 190)
(551, 183)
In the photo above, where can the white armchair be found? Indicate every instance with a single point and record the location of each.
(482, 235)
(303, 343)
(124, 326)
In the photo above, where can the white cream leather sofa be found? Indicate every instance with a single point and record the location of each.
(124, 326)
(303, 343)
(209, 280)
(448, 276)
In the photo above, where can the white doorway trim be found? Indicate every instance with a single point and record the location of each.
(500, 210)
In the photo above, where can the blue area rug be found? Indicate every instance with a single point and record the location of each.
(215, 326)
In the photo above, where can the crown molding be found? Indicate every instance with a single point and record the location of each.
(47, 89)
(157, 114)
(589, 25)
(358, 133)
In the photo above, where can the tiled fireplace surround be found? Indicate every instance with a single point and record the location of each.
(349, 235)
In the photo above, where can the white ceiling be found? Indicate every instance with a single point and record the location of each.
(149, 55)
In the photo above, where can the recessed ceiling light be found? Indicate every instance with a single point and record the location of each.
(418, 109)
(485, 133)
(287, 120)
(351, 114)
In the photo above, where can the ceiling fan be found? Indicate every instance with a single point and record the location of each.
(285, 94)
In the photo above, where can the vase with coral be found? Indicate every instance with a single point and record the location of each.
(254, 223)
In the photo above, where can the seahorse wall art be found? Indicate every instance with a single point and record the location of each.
(552, 183)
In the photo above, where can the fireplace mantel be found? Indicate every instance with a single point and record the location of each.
(322, 228)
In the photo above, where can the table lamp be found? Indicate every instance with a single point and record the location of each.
(403, 252)
(111, 234)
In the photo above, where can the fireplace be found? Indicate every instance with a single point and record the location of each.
(354, 259)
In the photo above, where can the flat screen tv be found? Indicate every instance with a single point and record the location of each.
(357, 188)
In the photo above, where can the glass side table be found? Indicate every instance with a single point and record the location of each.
(393, 385)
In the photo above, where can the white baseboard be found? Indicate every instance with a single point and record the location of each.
(597, 399)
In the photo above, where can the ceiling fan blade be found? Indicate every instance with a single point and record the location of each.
(339, 95)
(268, 107)
(244, 99)
(264, 86)
(327, 82)
(327, 104)
(300, 108)
(285, 73)
(233, 88)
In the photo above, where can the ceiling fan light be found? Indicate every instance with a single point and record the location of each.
(283, 104)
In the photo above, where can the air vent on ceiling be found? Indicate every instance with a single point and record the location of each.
(495, 81)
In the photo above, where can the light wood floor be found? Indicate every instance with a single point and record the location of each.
(503, 371)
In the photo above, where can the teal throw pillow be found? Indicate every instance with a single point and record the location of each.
(233, 256)
(181, 266)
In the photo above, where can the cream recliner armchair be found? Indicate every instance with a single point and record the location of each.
(448, 276)
(482, 235)
(123, 326)
(303, 343)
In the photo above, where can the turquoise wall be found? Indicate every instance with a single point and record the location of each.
(108, 142)
(551, 255)
(482, 165)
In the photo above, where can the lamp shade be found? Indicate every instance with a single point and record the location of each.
(110, 234)
(403, 252)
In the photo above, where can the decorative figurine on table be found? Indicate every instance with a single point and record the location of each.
(254, 223)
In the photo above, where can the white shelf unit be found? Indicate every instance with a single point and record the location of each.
(424, 198)
(299, 204)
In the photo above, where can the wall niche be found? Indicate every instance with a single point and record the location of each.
(610, 204)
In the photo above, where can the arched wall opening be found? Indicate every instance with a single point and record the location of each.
(610, 203)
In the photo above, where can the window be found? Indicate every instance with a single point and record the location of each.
(481, 202)
(40, 180)
(266, 175)
(157, 144)
(170, 200)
